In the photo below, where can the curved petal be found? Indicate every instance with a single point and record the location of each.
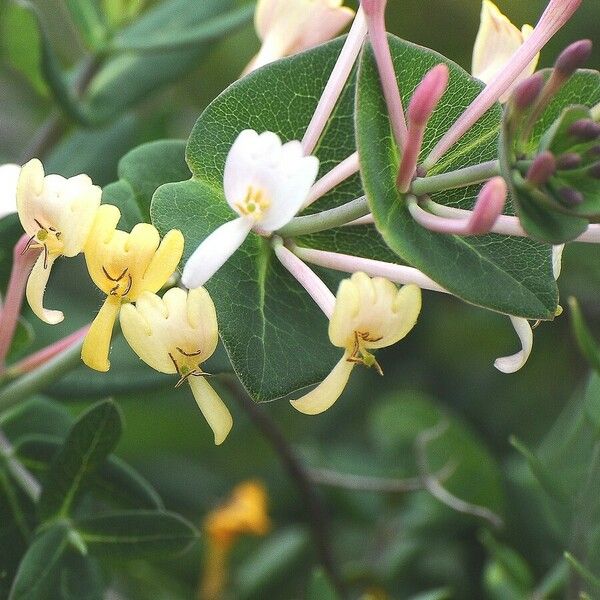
(96, 345)
(36, 286)
(212, 407)
(164, 262)
(327, 392)
(214, 252)
(29, 187)
(511, 364)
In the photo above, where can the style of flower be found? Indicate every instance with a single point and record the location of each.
(175, 335)
(496, 43)
(57, 214)
(9, 176)
(286, 27)
(369, 314)
(265, 183)
(123, 265)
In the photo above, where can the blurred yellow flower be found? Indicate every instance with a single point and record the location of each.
(369, 314)
(175, 335)
(497, 41)
(286, 27)
(123, 265)
(58, 214)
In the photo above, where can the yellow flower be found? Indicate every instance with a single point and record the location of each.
(175, 335)
(123, 265)
(244, 513)
(286, 27)
(369, 314)
(58, 214)
(497, 41)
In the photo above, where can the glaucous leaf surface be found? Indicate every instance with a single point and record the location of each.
(505, 274)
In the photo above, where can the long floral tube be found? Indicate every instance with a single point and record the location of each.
(342, 171)
(374, 268)
(23, 260)
(557, 13)
(337, 80)
(306, 277)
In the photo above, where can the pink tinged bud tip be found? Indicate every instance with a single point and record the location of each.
(373, 7)
(542, 169)
(489, 207)
(557, 13)
(528, 91)
(568, 161)
(424, 101)
(585, 129)
(573, 57)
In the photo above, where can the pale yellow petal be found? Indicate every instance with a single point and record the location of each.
(96, 346)
(103, 228)
(212, 407)
(202, 317)
(164, 261)
(138, 332)
(327, 392)
(36, 287)
(347, 307)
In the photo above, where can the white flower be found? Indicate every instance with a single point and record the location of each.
(497, 41)
(9, 175)
(286, 27)
(265, 183)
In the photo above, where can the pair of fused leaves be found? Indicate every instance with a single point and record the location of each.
(543, 213)
(275, 336)
(68, 541)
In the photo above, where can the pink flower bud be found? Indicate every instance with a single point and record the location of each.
(528, 91)
(427, 95)
(489, 206)
(542, 168)
(573, 57)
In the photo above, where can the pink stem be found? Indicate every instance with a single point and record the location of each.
(23, 260)
(557, 13)
(42, 356)
(387, 75)
(337, 175)
(374, 268)
(307, 278)
(337, 80)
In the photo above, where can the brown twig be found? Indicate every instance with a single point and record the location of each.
(300, 475)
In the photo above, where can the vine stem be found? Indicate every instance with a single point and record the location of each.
(298, 473)
(455, 179)
(29, 484)
(42, 377)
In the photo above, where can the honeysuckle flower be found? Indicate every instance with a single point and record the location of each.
(286, 27)
(57, 214)
(265, 183)
(9, 176)
(496, 43)
(245, 513)
(369, 314)
(175, 335)
(123, 265)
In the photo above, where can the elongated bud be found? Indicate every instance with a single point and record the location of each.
(573, 57)
(568, 161)
(423, 102)
(373, 7)
(528, 91)
(585, 129)
(427, 95)
(490, 205)
(542, 168)
(571, 197)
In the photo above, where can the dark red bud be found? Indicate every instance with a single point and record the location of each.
(585, 129)
(542, 168)
(568, 161)
(528, 91)
(571, 196)
(573, 57)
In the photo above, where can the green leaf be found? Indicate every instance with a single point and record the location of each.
(91, 439)
(36, 416)
(586, 342)
(38, 572)
(88, 19)
(320, 587)
(154, 35)
(23, 338)
(121, 195)
(80, 578)
(126, 79)
(115, 480)
(136, 534)
(583, 571)
(21, 44)
(274, 334)
(508, 275)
